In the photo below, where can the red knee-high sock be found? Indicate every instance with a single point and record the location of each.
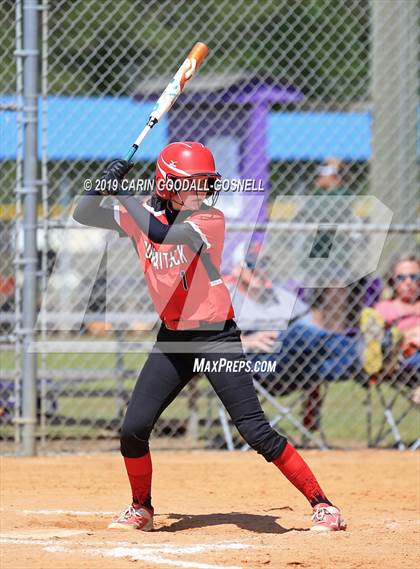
(295, 469)
(139, 472)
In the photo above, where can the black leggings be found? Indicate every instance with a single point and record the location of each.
(165, 373)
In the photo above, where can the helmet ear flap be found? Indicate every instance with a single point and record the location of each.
(213, 192)
(161, 175)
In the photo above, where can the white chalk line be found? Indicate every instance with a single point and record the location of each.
(168, 548)
(148, 552)
(136, 554)
(153, 553)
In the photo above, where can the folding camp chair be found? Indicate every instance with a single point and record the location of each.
(310, 400)
(282, 412)
(390, 418)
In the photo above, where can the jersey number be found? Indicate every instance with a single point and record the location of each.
(184, 280)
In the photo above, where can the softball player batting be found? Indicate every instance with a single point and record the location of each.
(178, 235)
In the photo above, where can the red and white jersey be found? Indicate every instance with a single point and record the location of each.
(182, 291)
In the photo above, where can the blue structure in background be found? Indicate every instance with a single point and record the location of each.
(109, 125)
(89, 128)
(314, 136)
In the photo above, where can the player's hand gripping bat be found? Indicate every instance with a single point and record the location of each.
(172, 92)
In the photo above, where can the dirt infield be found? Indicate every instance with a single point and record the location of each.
(214, 510)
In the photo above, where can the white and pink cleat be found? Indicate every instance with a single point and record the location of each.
(327, 518)
(134, 518)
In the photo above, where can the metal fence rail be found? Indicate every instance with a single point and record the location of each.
(286, 98)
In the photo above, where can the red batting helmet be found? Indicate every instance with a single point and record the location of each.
(183, 160)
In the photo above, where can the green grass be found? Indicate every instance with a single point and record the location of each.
(78, 361)
(344, 417)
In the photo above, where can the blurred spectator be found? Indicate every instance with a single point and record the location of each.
(340, 307)
(403, 309)
(329, 178)
(402, 313)
(304, 352)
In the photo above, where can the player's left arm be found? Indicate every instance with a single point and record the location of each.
(158, 232)
(209, 226)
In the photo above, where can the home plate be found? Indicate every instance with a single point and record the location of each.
(40, 533)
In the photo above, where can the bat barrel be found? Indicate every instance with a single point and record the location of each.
(172, 92)
(198, 52)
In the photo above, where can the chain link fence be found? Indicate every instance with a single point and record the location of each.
(317, 101)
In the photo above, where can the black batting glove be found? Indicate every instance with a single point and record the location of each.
(116, 170)
(110, 180)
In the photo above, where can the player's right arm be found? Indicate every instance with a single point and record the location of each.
(89, 211)
(133, 216)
